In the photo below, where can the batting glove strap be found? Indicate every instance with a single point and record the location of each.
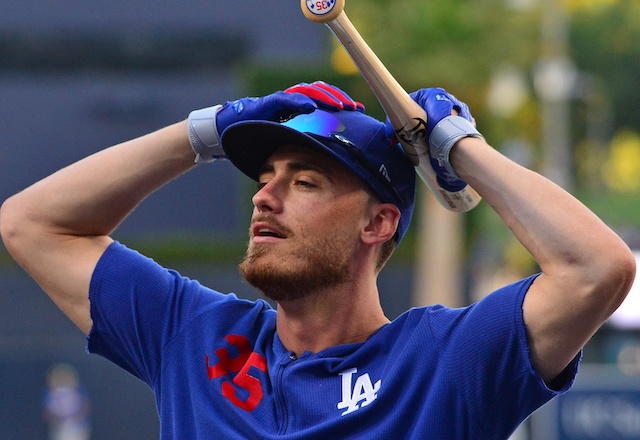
(443, 137)
(203, 134)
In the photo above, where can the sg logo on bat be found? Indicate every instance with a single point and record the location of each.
(320, 7)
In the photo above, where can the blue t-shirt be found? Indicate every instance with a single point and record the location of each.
(219, 370)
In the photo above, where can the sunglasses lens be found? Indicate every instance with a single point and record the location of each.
(319, 122)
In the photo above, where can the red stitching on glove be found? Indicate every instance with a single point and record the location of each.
(346, 100)
(327, 94)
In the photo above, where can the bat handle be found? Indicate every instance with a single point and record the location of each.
(395, 101)
(462, 200)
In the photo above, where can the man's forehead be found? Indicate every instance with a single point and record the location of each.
(291, 151)
(297, 157)
(302, 155)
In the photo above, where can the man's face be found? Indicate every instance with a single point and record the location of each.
(305, 224)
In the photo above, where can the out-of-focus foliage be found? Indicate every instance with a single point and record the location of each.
(452, 44)
(439, 42)
(605, 41)
(604, 46)
(622, 169)
(462, 44)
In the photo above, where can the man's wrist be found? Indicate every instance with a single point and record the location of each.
(203, 134)
(444, 136)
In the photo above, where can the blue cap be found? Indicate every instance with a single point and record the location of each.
(356, 140)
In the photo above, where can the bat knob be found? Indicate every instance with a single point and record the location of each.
(322, 11)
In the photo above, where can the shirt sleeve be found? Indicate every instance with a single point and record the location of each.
(137, 307)
(488, 358)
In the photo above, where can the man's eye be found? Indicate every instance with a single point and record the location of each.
(304, 183)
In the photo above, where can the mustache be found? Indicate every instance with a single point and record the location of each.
(271, 221)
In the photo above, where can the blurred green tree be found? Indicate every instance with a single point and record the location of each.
(604, 43)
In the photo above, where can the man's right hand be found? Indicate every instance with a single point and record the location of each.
(206, 125)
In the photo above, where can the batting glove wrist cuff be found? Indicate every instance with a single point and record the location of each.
(203, 134)
(444, 136)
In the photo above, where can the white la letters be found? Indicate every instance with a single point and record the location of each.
(363, 391)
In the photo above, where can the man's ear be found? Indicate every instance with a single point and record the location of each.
(383, 222)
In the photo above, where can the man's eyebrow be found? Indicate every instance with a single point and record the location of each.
(300, 166)
(266, 168)
(308, 166)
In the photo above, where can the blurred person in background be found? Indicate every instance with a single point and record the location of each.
(66, 404)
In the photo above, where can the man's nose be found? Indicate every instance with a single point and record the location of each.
(269, 197)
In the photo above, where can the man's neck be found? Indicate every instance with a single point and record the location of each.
(342, 315)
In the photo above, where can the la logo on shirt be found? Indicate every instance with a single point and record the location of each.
(363, 393)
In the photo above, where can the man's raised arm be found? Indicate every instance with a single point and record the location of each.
(587, 270)
(58, 228)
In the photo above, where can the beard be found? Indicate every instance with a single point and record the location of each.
(320, 263)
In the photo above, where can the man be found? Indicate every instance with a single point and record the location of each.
(335, 196)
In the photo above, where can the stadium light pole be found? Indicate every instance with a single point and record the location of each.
(439, 263)
(554, 81)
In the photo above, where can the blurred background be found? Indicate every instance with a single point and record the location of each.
(552, 84)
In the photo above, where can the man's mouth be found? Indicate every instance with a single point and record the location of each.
(267, 230)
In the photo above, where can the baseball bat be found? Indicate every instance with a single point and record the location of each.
(407, 118)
